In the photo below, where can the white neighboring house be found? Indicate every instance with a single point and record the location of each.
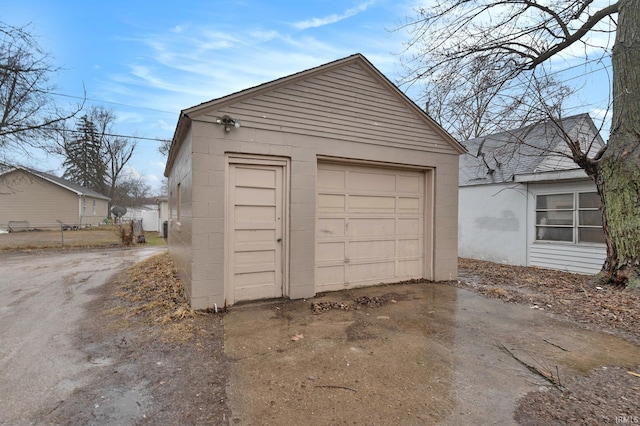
(147, 213)
(522, 203)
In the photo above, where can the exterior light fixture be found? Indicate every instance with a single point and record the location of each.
(228, 122)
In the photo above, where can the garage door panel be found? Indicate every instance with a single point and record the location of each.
(331, 251)
(409, 184)
(372, 181)
(409, 205)
(330, 278)
(331, 227)
(371, 271)
(331, 203)
(408, 248)
(409, 268)
(371, 204)
(371, 227)
(372, 249)
(408, 226)
(331, 179)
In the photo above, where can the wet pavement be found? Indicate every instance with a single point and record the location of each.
(43, 302)
(430, 355)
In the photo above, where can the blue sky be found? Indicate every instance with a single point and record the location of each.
(147, 60)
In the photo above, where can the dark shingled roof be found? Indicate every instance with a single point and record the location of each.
(499, 157)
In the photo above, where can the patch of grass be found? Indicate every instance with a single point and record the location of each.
(104, 236)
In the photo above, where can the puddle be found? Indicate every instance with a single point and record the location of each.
(428, 355)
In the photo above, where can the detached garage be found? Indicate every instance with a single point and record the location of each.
(323, 180)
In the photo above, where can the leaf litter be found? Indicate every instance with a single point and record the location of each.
(608, 395)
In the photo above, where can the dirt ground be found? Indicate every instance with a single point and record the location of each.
(208, 368)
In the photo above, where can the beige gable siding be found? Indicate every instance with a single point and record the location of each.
(25, 197)
(347, 104)
(582, 132)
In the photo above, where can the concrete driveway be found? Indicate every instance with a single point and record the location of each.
(428, 354)
(42, 299)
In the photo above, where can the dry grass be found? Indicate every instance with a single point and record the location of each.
(94, 237)
(153, 294)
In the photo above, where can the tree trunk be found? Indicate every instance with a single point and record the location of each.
(617, 175)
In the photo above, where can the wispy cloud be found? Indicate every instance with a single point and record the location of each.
(331, 19)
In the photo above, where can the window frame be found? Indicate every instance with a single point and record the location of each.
(576, 226)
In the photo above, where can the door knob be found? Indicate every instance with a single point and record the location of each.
(279, 240)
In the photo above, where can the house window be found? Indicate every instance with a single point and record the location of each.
(94, 207)
(572, 217)
(84, 206)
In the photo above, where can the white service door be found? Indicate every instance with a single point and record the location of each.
(256, 215)
(370, 226)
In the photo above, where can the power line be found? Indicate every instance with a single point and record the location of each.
(114, 135)
(110, 102)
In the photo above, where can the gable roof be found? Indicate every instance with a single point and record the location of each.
(63, 183)
(192, 113)
(537, 148)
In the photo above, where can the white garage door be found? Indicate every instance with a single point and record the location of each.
(369, 226)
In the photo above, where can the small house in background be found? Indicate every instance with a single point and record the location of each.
(522, 202)
(324, 180)
(30, 199)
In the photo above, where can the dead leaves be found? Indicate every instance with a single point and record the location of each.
(368, 301)
(571, 295)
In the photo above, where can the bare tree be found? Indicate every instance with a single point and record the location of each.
(94, 155)
(514, 39)
(28, 114)
(131, 190)
(165, 146)
(476, 102)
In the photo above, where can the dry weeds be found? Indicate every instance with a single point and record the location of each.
(152, 293)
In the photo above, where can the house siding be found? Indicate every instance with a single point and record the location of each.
(342, 115)
(583, 259)
(497, 230)
(25, 197)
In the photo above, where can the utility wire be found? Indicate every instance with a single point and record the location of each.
(114, 135)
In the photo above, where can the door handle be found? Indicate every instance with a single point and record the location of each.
(279, 240)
